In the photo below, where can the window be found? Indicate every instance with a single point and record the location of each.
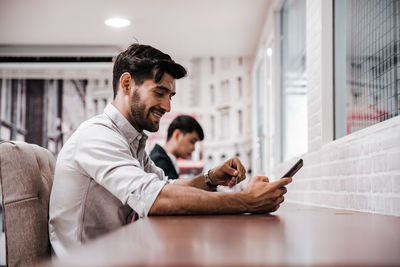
(224, 122)
(54, 116)
(212, 121)
(13, 110)
(6, 101)
(212, 94)
(21, 104)
(367, 69)
(293, 79)
(225, 63)
(1, 97)
(240, 86)
(212, 65)
(240, 122)
(260, 120)
(104, 104)
(5, 110)
(96, 107)
(225, 92)
(1, 106)
(240, 61)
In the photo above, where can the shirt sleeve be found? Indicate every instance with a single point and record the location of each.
(105, 156)
(152, 167)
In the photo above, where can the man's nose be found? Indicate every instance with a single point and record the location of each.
(166, 104)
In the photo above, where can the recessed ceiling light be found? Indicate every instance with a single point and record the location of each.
(117, 22)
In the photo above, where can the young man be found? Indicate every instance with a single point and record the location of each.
(104, 178)
(183, 133)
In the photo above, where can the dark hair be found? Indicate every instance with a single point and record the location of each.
(185, 124)
(144, 62)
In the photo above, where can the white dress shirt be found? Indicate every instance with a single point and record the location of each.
(101, 171)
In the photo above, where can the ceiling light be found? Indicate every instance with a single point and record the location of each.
(117, 22)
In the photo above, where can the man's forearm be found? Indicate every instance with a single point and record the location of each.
(198, 182)
(175, 199)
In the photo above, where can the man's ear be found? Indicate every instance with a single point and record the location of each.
(126, 82)
(177, 134)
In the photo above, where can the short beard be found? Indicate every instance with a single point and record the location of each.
(138, 110)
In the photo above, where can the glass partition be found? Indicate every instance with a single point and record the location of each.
(293, 79)
(367, 69)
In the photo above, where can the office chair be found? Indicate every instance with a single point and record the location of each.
(26, 178)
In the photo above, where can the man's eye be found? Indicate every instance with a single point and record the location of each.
(159, 94)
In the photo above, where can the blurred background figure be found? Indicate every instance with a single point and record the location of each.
(183, 134)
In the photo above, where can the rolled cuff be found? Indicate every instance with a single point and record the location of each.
(142, 203)
(171, 181)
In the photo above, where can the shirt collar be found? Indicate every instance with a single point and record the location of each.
(123, 124)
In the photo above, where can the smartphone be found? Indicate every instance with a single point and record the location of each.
(294, 169)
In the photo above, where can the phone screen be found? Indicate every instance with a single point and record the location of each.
(294, 169)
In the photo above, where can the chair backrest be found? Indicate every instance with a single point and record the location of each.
(26, 176)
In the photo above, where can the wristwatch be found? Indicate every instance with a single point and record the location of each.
(208, 181)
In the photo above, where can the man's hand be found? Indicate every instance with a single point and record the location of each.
(228, 173)
(262, 196)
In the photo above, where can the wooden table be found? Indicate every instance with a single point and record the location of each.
(295, 235)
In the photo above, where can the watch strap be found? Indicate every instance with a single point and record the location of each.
(208, 181)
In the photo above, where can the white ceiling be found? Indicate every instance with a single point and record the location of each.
(182, 28)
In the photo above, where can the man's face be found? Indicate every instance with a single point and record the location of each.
(186, 144)
(150, 101)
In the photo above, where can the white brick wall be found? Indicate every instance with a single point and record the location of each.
(360, 171)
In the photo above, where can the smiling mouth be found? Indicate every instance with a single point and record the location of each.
(157, 114)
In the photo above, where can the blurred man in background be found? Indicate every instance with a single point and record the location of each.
(183, 134)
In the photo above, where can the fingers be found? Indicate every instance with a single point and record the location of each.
(234, 176)
(278, 203)
(238, 166)
(268, 195)
(279, 192)
(283, 189)
(281, 182)
(232, 182)
(230, 171)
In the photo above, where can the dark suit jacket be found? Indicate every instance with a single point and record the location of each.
(162, 160)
